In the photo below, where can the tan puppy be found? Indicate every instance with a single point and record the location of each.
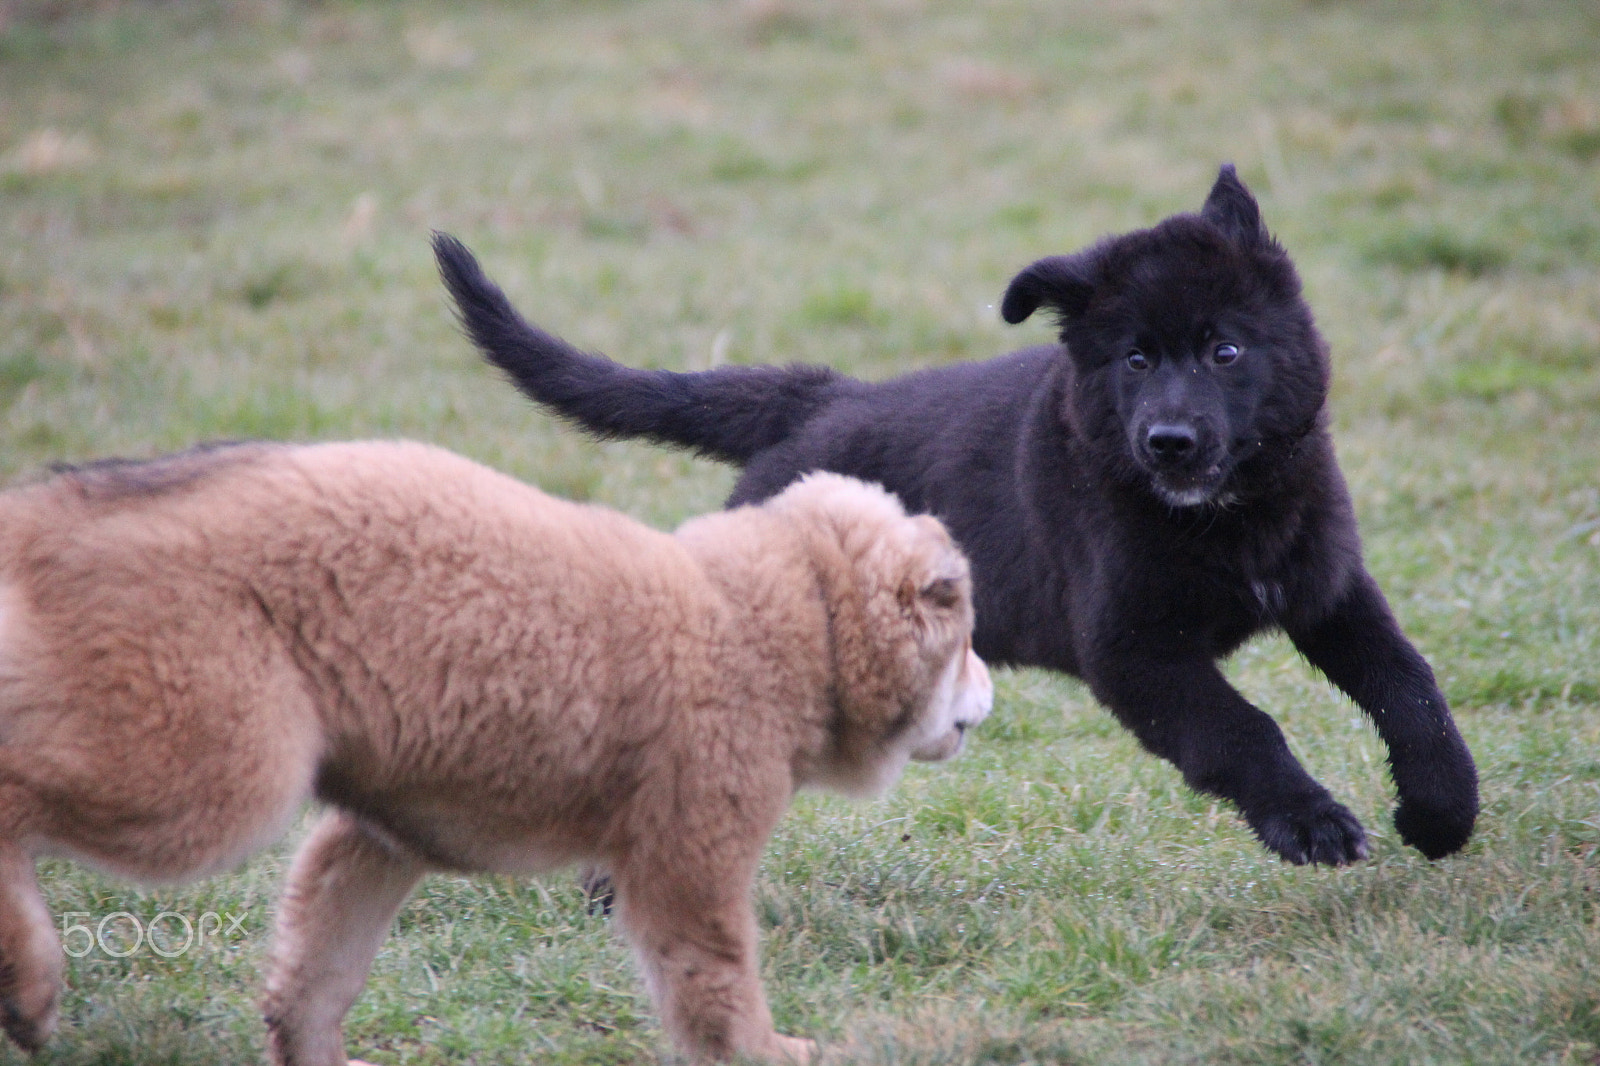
(474, 676)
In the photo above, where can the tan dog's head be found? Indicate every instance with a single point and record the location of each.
(907, 684)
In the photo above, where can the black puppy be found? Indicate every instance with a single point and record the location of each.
(1137, 500)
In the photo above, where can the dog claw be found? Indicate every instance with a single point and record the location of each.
(1328, 835)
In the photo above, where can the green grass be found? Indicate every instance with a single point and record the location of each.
(213, 223)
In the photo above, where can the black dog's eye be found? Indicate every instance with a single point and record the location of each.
(1137, 360)
(1224, 354)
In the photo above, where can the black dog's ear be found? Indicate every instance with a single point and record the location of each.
(1062, 282)
(1232, 209)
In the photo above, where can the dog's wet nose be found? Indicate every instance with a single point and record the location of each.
(1171, 442)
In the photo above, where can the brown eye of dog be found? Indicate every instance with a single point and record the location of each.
(1225, 354)
(1137, 360)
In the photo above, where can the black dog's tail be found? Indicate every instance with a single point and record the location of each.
(729, 413)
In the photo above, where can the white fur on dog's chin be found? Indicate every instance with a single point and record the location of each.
(1195, 497)
(1208, 491)
(963, 698)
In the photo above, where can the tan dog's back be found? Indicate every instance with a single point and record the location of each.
(297, 590)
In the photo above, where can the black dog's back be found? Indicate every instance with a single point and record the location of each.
(906, 432)
(730, 413)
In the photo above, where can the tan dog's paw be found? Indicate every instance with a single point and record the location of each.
(29, 1015)
(794, 1049)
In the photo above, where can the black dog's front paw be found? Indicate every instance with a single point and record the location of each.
(1436, 829)
(1438, 799)
(1318, 831)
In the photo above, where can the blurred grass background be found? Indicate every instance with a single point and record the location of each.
(213, 223)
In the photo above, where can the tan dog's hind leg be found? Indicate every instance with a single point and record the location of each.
(697, 945)
(31, 963)
(344, 888)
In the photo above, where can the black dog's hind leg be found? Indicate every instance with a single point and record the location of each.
(600, 895)
(1361, 649)
(1184, 710)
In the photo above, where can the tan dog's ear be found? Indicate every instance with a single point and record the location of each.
(939, 578)
(926, 595)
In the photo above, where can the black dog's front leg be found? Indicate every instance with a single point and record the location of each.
(1185, 711)
(1361, 649)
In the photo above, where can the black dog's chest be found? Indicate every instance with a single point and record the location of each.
(1117, 581)
(1233, 566)
(1226, 603)
(1208, 597)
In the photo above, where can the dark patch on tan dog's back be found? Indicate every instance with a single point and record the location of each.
(112, 480)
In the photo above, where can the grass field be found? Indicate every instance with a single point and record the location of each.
(213, 223)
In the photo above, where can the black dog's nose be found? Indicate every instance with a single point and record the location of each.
(1171, 443)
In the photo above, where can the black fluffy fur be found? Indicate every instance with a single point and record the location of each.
(1137, 500)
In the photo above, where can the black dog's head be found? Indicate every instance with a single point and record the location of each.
(1194, 357)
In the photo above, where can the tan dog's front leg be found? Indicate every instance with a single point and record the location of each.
(31, 963)
(697, 945)
(343, 890)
